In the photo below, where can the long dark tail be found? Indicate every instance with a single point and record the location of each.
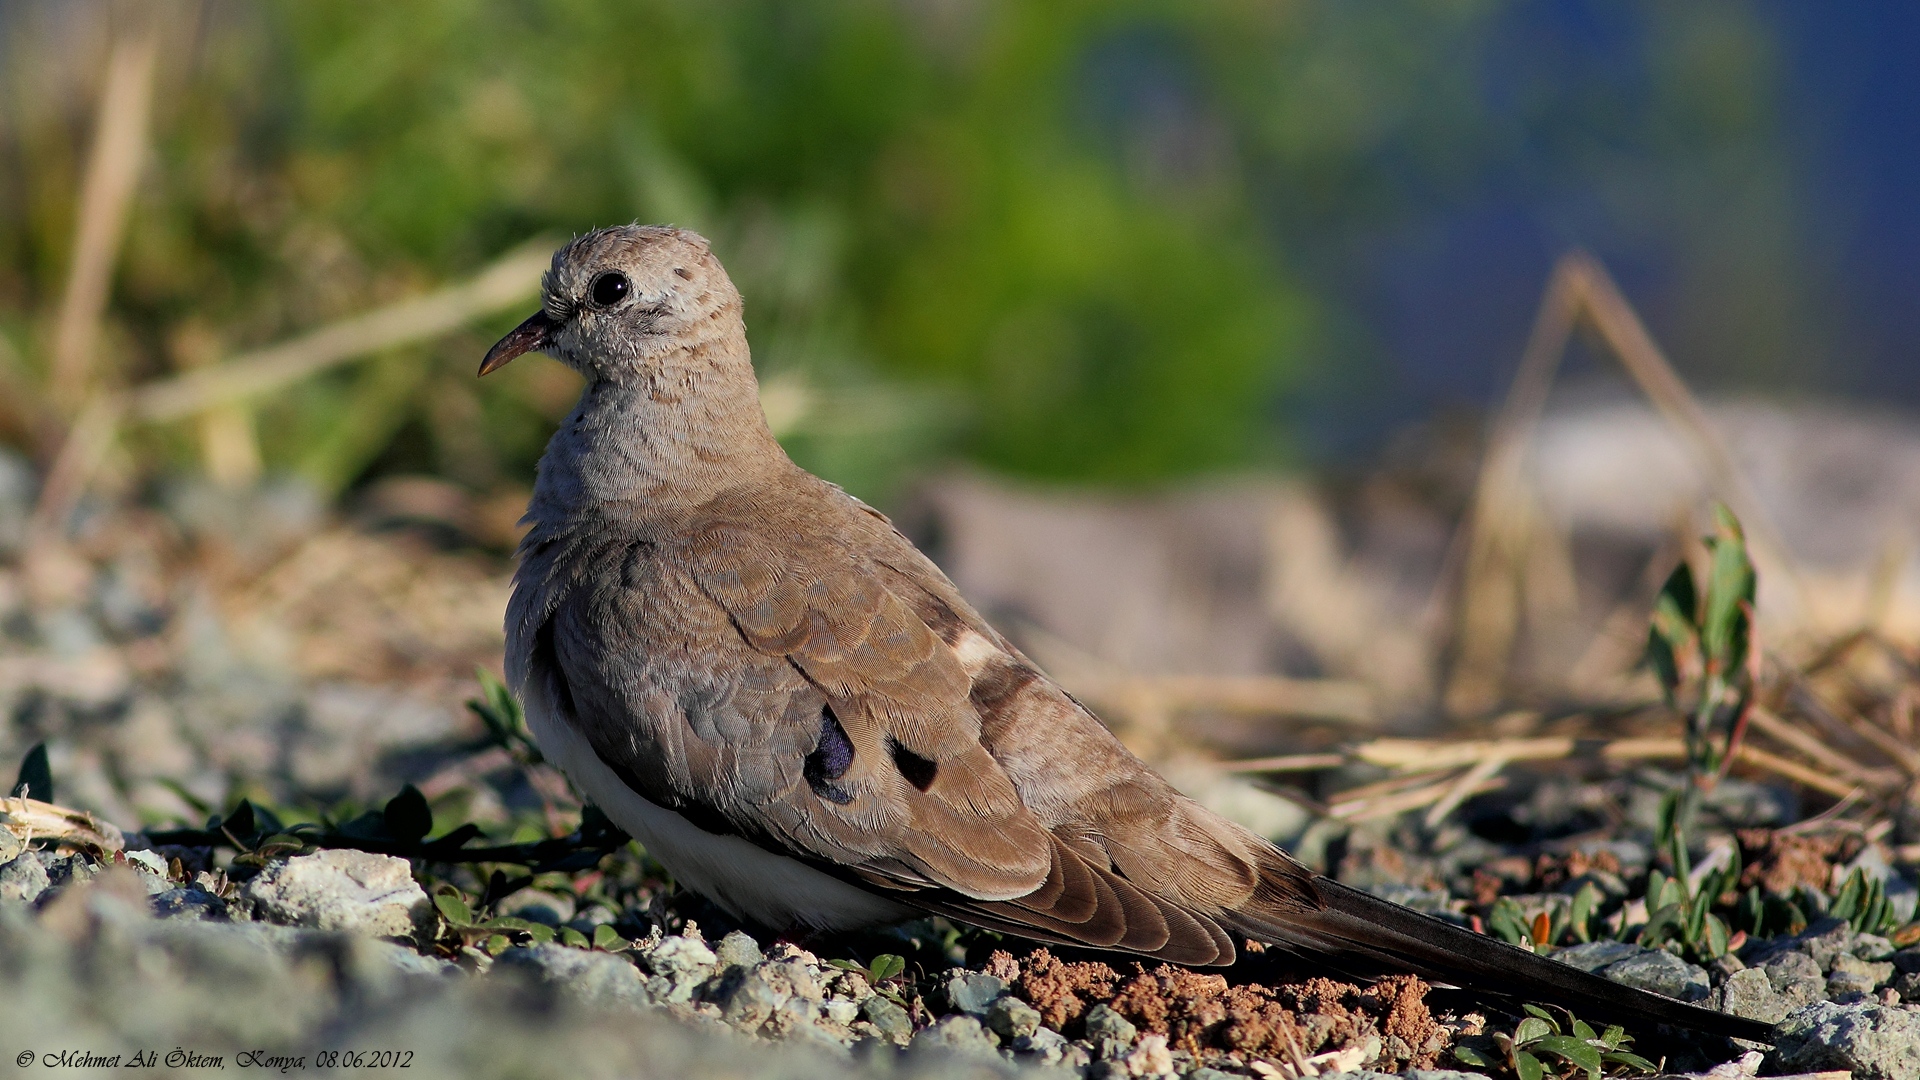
(1363, 934)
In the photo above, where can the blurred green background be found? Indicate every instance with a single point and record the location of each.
(1112, 243)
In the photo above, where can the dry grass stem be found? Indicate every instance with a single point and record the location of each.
(113, 170)
(31, 819)
(511, 279)
(1514, 559)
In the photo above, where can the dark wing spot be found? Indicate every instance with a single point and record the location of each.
(681, 272)
(919, 771)
(831, 758)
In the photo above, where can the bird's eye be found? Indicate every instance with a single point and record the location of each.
(610, 288)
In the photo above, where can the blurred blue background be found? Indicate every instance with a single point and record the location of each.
(1098, 243)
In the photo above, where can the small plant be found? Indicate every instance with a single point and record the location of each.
(500, 932)
(1537, 1049)
(882, 973)
(1862, 901)
(1701, 647)
(506, 722)
(1574, 925)
(1681, 917)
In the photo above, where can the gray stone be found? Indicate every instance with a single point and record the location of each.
(958, 1033)
(190, 903)
(24, 878)
(1826, 940)
(604, 980)
(841, 1011)
(973, 993)
(1749, 993)
(1204, 1073)
(685, 962)
(1011, 1018)
(65, 870)
(1872, 1041)
(1594, 955)
(1661, 973)
(892, 1021)
(795, 979)
(1872, 947)
(1907, 959)
(1852, 975)
(1721, 968)
(1796, 978)
(1103, 1023)
(1045, 1045)
(752, 1002)
(737, 950)
(355, 891)
(1907, 985)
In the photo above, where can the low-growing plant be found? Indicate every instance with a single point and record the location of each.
(1537, 1048)
(876, 971)
(1700, 645)
(1679, 916)
(1574, 925)
(505, 721)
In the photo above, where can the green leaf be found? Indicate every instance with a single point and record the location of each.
(1631, 1061)
(1528, 1067)
(1846, 902)
(1475, 1057)
(1731, 581)
(240, 824)
(453, 907)
(1570, 1049)
(1508, 922)
(496, 945)
(1659, 924)
(608, 939)
(1586, 903)
(36, 777)
(1715, 944)
(1615, 1037)
(1530, 1029)
(407, 817)
(570, 936)
(885, 966)
(1583, 1030)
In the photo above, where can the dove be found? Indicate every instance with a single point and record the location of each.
(792, 708)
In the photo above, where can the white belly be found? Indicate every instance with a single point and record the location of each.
(747, 880)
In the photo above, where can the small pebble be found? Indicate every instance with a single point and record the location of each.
(1011, 1018)
(972, 993)
(891, 1020)
(737, 950)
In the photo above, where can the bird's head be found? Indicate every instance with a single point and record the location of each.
(618, 301)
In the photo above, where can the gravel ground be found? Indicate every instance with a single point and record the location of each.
(200, 648)
(343, 950)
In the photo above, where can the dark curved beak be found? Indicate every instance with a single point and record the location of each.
(529, 336)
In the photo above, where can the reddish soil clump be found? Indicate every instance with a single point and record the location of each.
(1207, 1016)
(1780, 862)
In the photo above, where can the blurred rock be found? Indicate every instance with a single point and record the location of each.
(959, 1034)
(1872, 1041)
(354, 891)
(598, 979)
(24, 878)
